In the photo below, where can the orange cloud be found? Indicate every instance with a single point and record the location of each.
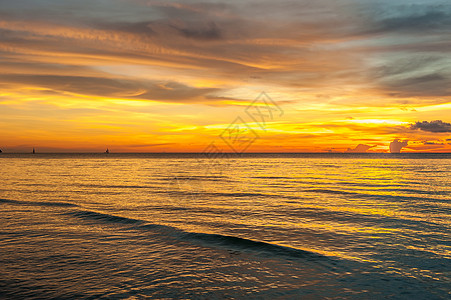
(141, 76)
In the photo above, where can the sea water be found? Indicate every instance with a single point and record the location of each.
(268, 226)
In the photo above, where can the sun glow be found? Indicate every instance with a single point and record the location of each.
(87, 85)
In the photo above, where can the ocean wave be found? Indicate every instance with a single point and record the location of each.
(38, 203)
(238, 243)
(97, 216)
(204, 239)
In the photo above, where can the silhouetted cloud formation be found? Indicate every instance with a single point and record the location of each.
(397, 145)
(433, 126)
(359, 148)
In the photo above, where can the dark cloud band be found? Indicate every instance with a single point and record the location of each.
(433, 126)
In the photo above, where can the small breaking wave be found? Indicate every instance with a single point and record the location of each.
(97, 216)
(203, 239)
(238, 243)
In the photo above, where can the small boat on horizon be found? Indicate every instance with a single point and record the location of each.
(1, 151)
(107, 151)
(34, 151)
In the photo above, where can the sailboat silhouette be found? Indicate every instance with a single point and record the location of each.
(107, 151)
(34, 151)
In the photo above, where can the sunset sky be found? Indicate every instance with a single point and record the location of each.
(171, 76)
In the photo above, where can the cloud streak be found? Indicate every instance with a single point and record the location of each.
(111, 87)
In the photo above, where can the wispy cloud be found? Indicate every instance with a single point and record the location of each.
(198, 62)
(111, 87)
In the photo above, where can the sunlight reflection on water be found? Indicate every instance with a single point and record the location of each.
(385, 216)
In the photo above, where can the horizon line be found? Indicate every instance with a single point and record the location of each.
(219, 153)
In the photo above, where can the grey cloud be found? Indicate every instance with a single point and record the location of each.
(75, 12)
(413, 63)
(202, 32)
(174, 91)
(140, 28)
(193, 30)
(412, 42)
(423, 21)
(415, 74)
(432, 143)
(433, 126)
(434, 84)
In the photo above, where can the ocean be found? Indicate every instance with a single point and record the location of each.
(255, 226)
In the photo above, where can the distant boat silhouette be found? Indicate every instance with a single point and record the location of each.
(1, 151)
(34, 151)
(107, 151)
